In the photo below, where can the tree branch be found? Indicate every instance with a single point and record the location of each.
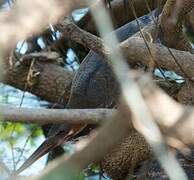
(53, 82)
(46, 116)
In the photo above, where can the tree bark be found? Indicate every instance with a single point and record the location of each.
(53, 83)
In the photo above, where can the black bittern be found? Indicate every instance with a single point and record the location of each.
(94, 86)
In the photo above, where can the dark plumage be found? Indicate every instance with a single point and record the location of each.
(93, 86)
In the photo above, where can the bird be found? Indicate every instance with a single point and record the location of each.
(94, 86)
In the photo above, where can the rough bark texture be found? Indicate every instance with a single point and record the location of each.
(135, 51)
(126, 156)
(52, 84)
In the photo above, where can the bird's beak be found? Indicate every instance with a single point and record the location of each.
(43, 149)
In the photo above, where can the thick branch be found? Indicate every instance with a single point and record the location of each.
(52, 84)
(135, 51)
